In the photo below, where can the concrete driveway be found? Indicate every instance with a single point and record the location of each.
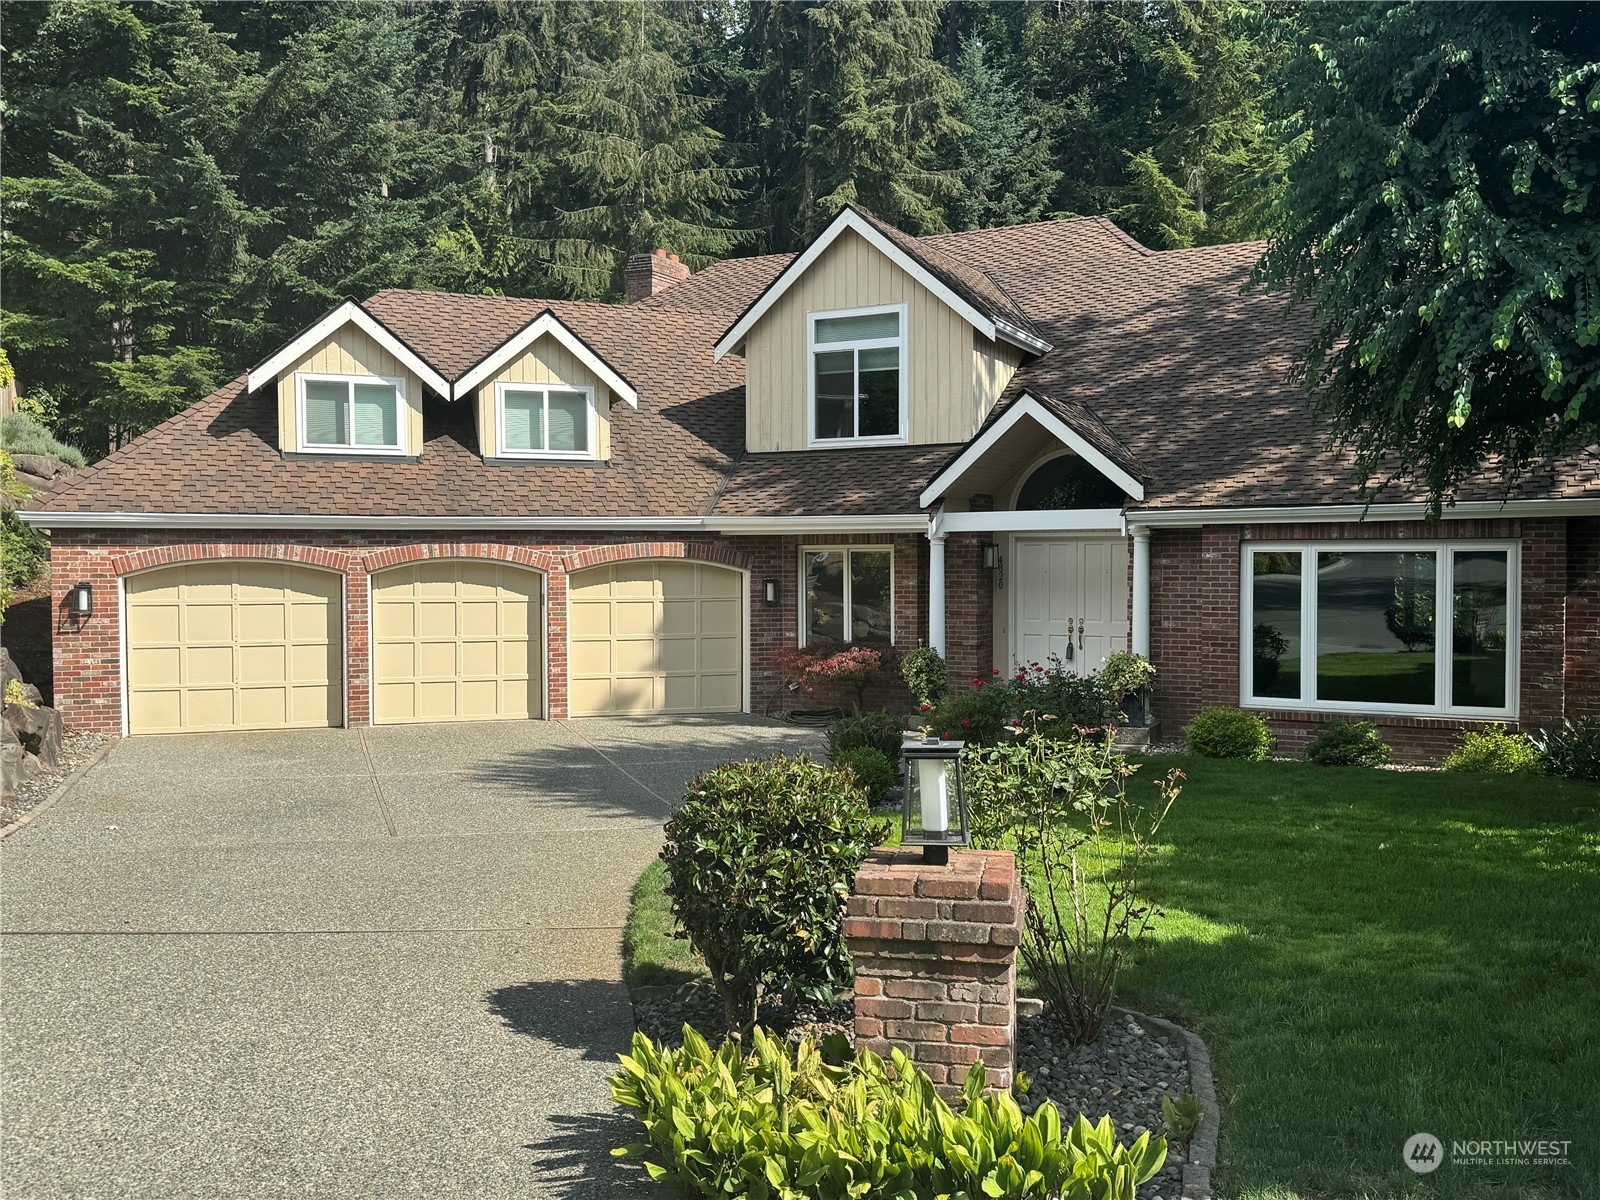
(342, 963)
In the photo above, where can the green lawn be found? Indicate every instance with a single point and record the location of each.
(1369, 954)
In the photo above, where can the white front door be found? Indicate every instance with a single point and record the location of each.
(1070, 600)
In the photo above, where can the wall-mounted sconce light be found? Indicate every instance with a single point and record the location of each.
(80, 600)
(989, 555)
(769, 591)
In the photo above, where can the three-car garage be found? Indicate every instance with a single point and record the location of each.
(226, 644)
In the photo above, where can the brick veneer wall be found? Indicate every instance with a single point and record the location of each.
(88, 654)
(935, 953)
(1194, 634)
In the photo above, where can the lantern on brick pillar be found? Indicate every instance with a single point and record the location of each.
(935, 814)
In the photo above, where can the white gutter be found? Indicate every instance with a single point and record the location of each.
(127, 520)
(1179, 518)
(897, 523)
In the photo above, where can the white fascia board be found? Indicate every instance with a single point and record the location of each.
(892, 523)
(1188, 518)
(1067, 520)
(518, 343)
(130, 520)
(1026, 405)
(848, 219)
(348, 313)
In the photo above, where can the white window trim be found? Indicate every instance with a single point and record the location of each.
(402, 421)
(846, 548)
(899, 343)
(1444, 616)
(504, 451)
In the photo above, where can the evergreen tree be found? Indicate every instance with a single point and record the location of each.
(640, 167)
(1005, 169)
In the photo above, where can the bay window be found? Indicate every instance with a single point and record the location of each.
(353, 413)
(538, 421)
(1381, 627)
(858, 376)
(847, 594)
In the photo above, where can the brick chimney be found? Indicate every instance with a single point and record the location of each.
(652, 273)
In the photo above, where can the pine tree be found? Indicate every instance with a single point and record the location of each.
(1005, 168)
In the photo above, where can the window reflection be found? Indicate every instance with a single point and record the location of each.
(1478, 629)
(1275, 646)
(1376, 613)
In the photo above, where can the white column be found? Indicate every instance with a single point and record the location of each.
(936, 588)
(1141, 590)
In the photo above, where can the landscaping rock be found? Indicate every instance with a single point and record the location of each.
(34, 784)
(40, 465)
(17, 767)
(38, 729)
(8, 670)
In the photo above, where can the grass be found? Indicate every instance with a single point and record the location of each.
(1369, 954)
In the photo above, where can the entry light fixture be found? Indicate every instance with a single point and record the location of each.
(989, 555)
(769, 591)
(935, 815)
(80, 599)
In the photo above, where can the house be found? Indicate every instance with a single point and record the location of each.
(1007, 444)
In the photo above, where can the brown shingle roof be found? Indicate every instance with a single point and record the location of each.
(1159, 359)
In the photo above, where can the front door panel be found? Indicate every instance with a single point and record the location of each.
(1060, 582)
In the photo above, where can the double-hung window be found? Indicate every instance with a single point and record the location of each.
(847, 594)
(544, 421)
(1381, 627)
(858, 382)
(361, 414)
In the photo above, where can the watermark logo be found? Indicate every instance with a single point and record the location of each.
(1423, 1152)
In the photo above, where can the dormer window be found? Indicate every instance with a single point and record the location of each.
(858, 392)
(536, 421)
(358, 414)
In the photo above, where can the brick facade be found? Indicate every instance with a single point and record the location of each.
(88, 653)
(935, 953)
(1194, 623)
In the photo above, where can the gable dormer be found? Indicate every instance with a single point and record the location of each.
(544, 394)
(349, 386)
(868, 338)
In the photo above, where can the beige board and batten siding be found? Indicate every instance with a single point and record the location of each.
(953, 381)
(349, 352)
(546, 361)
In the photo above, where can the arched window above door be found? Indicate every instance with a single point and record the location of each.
(1067, 481)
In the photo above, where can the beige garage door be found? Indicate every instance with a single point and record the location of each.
(649, 637)
(456, 640)
(233, 645)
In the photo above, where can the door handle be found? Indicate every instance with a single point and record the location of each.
(1080, 633)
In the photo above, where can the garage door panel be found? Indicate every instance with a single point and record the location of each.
(643, 636)
(635, 618)
(456, 640)
(233, 645)
(209, 623)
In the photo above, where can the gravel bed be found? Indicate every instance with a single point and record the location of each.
(1124, 1072)
(75, 751)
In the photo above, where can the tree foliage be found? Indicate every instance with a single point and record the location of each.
(188, 183)
(1443, 223)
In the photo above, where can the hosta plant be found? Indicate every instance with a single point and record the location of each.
(817, 1122)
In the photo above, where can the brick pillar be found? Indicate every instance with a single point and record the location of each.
(935, 952)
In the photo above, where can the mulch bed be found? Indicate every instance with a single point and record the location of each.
(661, 1013)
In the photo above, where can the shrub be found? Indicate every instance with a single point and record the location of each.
(760, 857)
(1348, 744)
(1124, 673)
(21, 434)
(822, 1123)
(1229, 733)
(979, 714)
(876, 729)
(1495, 751)
(926, 674)
(836, 668)
(1050, 688)
(872, 771)
(1571, 749)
